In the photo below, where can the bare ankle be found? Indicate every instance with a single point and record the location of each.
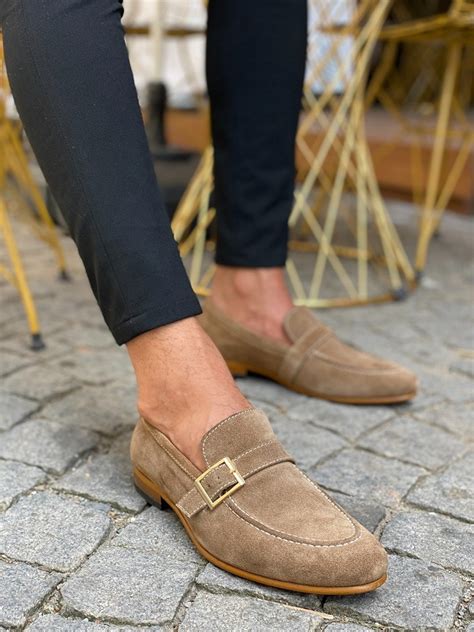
(184, 386)
(257, 298)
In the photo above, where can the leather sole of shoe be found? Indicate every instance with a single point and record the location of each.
(241, 370)
(152, 493)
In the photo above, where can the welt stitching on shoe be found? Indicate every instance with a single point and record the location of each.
(320, 546)
(200, 503)
(173, 458)
(235, 459)
(290, 535)
(343, 513)
(352, 369)
(246, 411)
(262, 445)
(260, 467)
(323, 493)
(266, 464)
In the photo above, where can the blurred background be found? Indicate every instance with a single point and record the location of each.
(384, 147)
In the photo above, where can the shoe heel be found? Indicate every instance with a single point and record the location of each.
(237, 369)
(149, 493)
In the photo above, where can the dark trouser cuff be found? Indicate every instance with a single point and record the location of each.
(152, 318)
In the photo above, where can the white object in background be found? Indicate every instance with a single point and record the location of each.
(158, 58)
(169, 59)
(156, 33)
(329, 13)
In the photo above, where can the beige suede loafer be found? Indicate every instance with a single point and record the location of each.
(253, 513)
(317, 364)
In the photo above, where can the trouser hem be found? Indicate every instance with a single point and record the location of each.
(156, 317)
(246, 262)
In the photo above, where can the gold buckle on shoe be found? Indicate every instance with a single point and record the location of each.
(212, 504)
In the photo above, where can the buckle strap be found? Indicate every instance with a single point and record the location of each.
(299, 351)
(226, 476)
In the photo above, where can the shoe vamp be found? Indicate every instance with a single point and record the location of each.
(337, 351)
(284, 502)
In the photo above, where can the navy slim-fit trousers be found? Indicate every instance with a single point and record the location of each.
(70, 76)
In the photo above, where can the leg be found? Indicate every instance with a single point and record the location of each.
(70, 76)
(71, 79)
(255, 68)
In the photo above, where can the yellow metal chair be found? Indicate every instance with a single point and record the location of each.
(332, 142)
(445, 43)
(14, 171)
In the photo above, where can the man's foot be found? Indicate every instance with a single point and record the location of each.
(254, 514)
(184, 385)
(256, 298)
(296, 350)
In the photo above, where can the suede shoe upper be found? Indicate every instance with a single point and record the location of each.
(317, 363)
(277, 523)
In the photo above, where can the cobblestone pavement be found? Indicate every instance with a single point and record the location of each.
(80, 550)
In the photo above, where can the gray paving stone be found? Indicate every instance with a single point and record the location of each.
(455, 313)
(423, 400)
(52, 531)
(215, 580)
(471, 607)
(56, 623)
(17, 478)
(14, 409)
(159, 532)
(22, 589)
(367, 476)
(347, 627)
(47, 444)
(457, 418)
(128, 586)
(367, 513)
(120, 446)
(11, 361)
(39, 382)
(107, 478)
(417, 596)
(348, 421)
(451, 492)
(465, 366)
(318, 443)
(433, 538)
(424, 352)
(106, 409)
(96, 366)
(222, 613)
(20, 346)
(80, 336)
(412, 441)
(379, 343)
(453, 388)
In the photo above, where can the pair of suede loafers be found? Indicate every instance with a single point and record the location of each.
(252, 512)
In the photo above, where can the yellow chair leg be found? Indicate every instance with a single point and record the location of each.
(20, 279)
(428, 222)
(20, 167)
